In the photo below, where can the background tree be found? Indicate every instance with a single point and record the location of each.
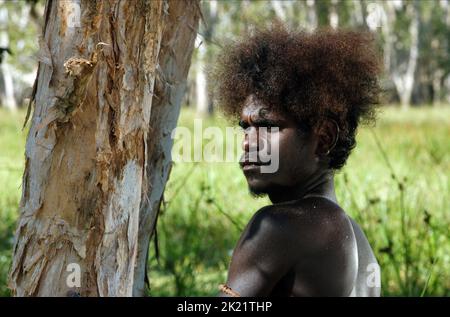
(402, 31)
(6, 84)
(203, 57)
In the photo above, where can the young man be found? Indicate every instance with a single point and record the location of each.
(304, 95)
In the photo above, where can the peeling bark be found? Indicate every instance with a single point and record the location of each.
(106, 97)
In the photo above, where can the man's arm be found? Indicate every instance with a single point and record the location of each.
(262, 256)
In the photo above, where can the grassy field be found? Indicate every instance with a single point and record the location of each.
(395, 185)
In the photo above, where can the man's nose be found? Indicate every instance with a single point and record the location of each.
(250, 142)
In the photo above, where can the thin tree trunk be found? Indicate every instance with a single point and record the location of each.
(279, 10)
(201, 88)
(334, 16)
(171, 84)
(311, 15)
(445, 81)
(204, 104)
(357, 16)
(403, 79)
(405, 82)
(107, 93)
(7, 99)
(436, 83)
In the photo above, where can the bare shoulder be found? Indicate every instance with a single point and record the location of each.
(269, 228)
(316, 238)
(312, 238)
(266, 241)
(263, 254)
(302, 227)
(332, 256)
(313, 222)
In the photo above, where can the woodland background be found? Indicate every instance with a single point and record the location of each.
(395, 184)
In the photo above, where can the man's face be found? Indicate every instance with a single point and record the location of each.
(270, 135)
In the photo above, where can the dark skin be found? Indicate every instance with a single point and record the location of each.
(303, 244)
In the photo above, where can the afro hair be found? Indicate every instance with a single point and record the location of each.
(310, 76)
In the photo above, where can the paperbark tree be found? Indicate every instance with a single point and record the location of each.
(106, 97)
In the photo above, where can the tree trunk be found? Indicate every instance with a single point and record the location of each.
(402, 73)
(107, 94)
(7, 98)
(405, 82)
(201, 88)
(436, 83)
(6, 82)
(357, 16)
(204, 103)
(445, 80)
(279, 9)
(311, 15)
(334, 16)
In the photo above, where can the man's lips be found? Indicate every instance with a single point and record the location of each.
(250, 167)
(245, 163)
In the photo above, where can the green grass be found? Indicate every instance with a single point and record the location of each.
(395, 185)
(12, 149)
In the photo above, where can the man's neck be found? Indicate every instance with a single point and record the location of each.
(321, 184)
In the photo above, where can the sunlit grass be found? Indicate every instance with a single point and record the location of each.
(12, 148)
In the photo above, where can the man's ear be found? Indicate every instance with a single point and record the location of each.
(327, 132)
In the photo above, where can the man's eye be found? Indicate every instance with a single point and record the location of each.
(270, 127)
(243, 125)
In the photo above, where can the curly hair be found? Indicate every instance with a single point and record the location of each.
(310, 76)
